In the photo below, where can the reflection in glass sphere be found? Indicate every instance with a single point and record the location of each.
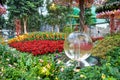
(77, 46)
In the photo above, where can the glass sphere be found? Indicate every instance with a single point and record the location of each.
(77, 46)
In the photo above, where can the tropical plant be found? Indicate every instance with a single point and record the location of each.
(23, 9)
(57, 15)
(67, 29)
(88, 17)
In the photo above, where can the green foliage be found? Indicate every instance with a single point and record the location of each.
(108, 7)
(2, 22)
(21, 66)
(24, 7)
(108, 70)
(10, 22)
(57, 16)
(111, 1)
(88, 17)
(67, 29)
(106, 44)
(34, 22)
(2, 2)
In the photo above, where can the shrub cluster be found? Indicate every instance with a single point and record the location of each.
(106, 45)
(20, 66)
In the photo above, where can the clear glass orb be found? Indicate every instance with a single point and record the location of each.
(77, 46)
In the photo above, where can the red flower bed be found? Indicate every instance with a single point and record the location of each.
(37, 47)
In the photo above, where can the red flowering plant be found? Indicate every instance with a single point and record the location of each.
(39, 47)
(38, 43)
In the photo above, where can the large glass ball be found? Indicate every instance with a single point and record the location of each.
(77, 46)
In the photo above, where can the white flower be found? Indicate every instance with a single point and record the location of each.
(59, 61)
(8, 59)
(62, 69)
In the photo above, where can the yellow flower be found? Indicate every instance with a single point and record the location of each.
(47, 36)
(44, 70)
(48, 66)
(103, 76)
(2, 69)
(65, 36)
(82, 76)
(60, 36)
(56, 78)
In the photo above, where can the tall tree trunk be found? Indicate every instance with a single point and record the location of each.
(58, 28)
(52, 28)
(17, 23)
(81, 15)
(25, 24)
